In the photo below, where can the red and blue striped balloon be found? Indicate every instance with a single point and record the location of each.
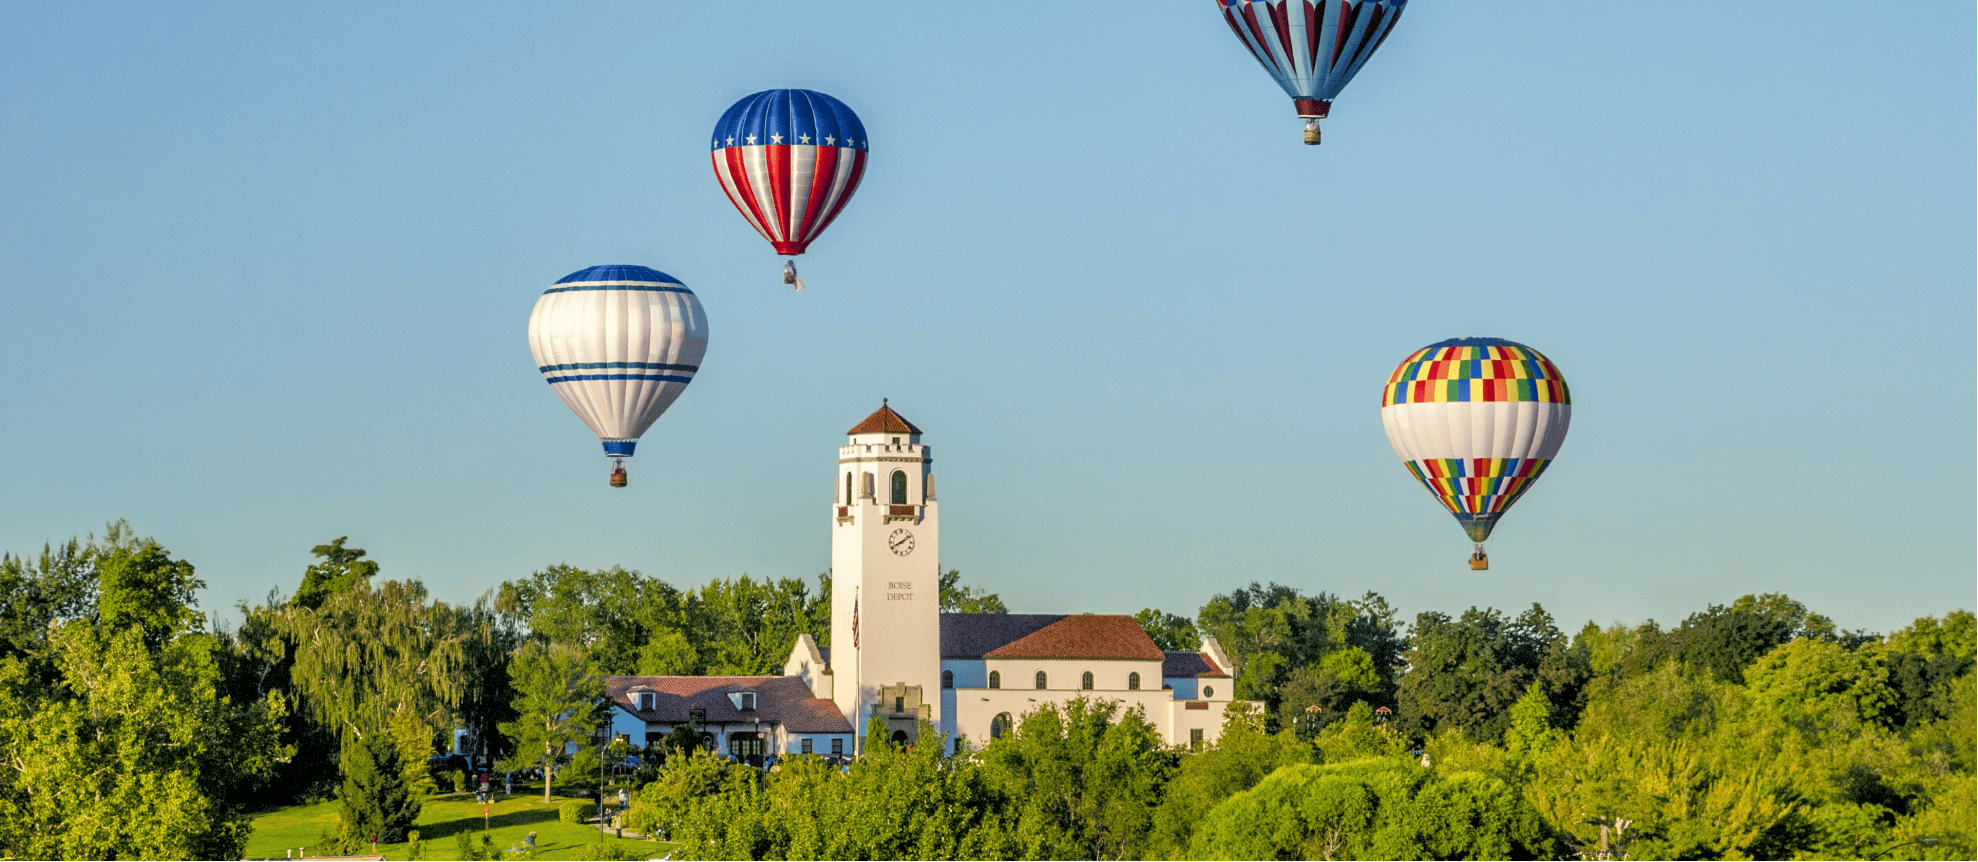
(789, 160)
(1312, 47)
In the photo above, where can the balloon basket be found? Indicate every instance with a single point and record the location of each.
(790, 275)
(1479, 561)
(618, 478)
(1311, 133)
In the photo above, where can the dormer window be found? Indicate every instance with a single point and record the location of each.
(745, 701)
(645, 701)
(697, 716)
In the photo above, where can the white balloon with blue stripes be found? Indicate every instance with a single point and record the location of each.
(619, 344)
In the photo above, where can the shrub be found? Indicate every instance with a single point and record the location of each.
(611, 852)
(460, 781)
(575, 811)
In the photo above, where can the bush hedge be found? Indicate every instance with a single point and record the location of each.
(575, 811)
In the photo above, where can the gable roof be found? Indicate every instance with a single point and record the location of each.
(884, 421)
(977, 635)
(1190, 664)
(1088, 636)
(782, 699)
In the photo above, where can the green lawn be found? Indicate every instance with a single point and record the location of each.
(279, 831)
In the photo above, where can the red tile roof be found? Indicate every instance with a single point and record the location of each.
(784, 699)
(884, 421)
(1087, 636)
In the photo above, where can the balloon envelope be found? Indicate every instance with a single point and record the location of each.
(1312, 47)
(1476, 420)
(618, 344)
(789, 160)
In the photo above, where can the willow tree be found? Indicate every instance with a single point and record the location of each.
(375, 661)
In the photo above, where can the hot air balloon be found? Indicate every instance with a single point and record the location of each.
(618, 344)
(1312, 47)
(1476, 420)
(789, 160)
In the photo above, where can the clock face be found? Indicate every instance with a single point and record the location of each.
(901, 542)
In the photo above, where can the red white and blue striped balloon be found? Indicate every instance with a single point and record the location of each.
(1312, 47)
(789, 160)
(618, 344)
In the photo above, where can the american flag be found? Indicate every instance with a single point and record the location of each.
(855, 622)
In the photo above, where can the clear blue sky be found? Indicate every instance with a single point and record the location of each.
(268, 268)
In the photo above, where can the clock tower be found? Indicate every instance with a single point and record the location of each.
(886, 579)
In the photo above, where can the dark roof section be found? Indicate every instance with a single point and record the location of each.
(784, 699)
(1088, 636)
(977, 635)
(1182, 665)
(884, 421)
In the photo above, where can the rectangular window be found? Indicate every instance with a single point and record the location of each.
(748, 701)
(1195, 739)
(899, 704)
(806, 745)
(837, 746)
(645, 701)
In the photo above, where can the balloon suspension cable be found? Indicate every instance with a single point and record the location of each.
(790, 275)
(1312, 131)
(618, 478)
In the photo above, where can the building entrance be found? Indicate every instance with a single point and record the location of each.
(746, 747)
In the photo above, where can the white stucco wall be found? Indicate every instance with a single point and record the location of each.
(1067, 674)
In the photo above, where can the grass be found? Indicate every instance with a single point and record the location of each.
(510, 818)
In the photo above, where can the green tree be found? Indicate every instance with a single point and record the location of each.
(1270, 632)
(368, 655)
(1084, 780)
(1373, 809)
(1171, 632)
(139, 584)
(376, 804)
(958, 599)
(131, 752)
(1464, 674)
(38, 592)
(609, 613)
(747, 627)
(1726, 640)
(1358, 736)
(340, 571)
(1319, 694)
(557, 700)
(1241, 756)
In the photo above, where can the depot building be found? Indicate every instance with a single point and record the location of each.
(896, 657)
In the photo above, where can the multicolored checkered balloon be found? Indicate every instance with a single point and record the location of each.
(1476, 420)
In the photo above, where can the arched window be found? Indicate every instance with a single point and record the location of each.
(848, 489)
(1133, 681)
(999, 726)
(947, 679)
(1085, 682)
(995, 679)
(1040, 679)
(899, 487)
